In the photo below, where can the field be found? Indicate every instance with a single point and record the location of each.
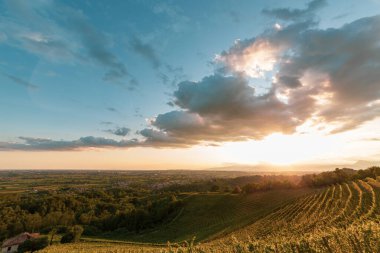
(24, 181)
(335, 211)
(208, 215)
(339, 218)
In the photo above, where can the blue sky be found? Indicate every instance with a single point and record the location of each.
(108, 69)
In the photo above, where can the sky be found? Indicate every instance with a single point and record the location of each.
(188, 84)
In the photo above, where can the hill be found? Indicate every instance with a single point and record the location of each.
(339, 218)
(207, 215)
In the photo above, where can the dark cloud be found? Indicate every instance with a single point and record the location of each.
(220, 108)
(324, 77)
(147, 51)
(344, 67)
(38, 144)
(289, 81)
(296, 14)
(20, 81)
(120, 131)
(112, 109)
(159, 138)
(170, 103)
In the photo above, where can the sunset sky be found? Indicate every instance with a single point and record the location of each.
(188, 84)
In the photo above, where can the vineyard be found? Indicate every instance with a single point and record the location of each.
(205, 216)
(338, 218)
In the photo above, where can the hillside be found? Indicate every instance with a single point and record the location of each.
(339, 218)
(207, 215)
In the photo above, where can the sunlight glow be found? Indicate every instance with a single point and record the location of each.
(308, 145)
(254, 61)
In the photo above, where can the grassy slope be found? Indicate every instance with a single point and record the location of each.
(340, 218)
(100, 247)
(206, 216)
(336, 206)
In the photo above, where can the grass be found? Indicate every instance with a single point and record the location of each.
(207, 216)
(339, 218)
(100, 247)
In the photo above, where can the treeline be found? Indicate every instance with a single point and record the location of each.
(242, 184)
(96, 210)
(338, 176)
(259, 183)
(269, 185)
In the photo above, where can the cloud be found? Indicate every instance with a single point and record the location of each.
(168, 74)
(289, 81)
(177, 20)
(59, 33)
(147, 51)
(224, 108)
(254, 60)
(120, 131)
(324, 78)
(107, 123)
(96, 46)
(20, 81)
(112, 109)
(172, 75)
(339, 67)
(296, 14)
(158, 138)
(38, 144)
(235, 16)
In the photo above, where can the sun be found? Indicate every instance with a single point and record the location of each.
(281, 149)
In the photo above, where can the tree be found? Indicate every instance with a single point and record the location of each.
(33, 245)
(73, 235)
(215, 188)
(236, 190)
(52, 233)
(250, 188)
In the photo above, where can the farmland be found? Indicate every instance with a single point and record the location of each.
(341, 218)
(335, 211)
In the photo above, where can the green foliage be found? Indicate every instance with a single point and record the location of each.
(335, 211)
(73, 234)
(207, 215)
(33, 245)
(237, 190)
(101, 210)
(338, 176)
(267, 185)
